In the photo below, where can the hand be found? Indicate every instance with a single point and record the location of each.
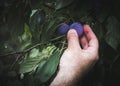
(80, 56)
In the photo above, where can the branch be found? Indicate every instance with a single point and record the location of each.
(18, 52)
(29, 49)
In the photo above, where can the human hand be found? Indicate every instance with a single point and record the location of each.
(81, 55)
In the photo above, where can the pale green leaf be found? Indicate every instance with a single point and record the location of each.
(29, 65)
(34, 58)
(33, 12)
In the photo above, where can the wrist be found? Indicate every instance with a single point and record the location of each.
(66, 77)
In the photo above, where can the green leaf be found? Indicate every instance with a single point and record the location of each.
(29, 65)
(99, 30)
(34, 58)
(62, 3)
(46, 70)
(113, 32)
(36, 21)
(49, 29)
(27, 33)
(25, 39)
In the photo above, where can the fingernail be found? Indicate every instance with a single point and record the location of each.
(72, 32)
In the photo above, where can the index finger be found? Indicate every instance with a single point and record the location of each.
(92, 39)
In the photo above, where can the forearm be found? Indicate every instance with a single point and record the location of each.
(66, 77)
(70, 76)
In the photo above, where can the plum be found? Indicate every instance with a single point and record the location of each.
(78, 27)
(63, 29)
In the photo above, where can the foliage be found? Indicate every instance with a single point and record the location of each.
(30, 46)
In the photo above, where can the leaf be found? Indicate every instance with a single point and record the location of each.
(27, 34)
(49, 29)
(37, 19)
(29, 65)
(33, 12)
(62, 3)
(99, 30)
(113, 32)
(45, 71)
(102, 15)
(25, 38)
(34, 58)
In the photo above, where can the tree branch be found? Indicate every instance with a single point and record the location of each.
(29, 49)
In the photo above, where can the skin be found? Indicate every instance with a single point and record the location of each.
(78, 58)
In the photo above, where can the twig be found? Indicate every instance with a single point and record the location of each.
(29, 49)
(18, 52)
(18, 57)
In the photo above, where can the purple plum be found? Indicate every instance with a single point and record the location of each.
(78, 27)
(63, 29)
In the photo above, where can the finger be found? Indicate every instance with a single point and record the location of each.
(84, 42)
(73, 39)
(92, 39)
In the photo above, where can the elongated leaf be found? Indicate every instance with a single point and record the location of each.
(37, 19)
(25, 39)
(113, 32)
(45, 71)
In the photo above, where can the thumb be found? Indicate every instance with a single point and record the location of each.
(73, 40)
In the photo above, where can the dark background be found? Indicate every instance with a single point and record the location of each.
(26, 23)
